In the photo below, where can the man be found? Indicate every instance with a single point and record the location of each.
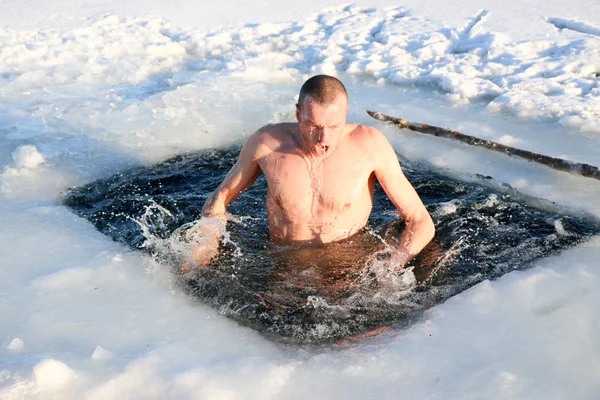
(320, 173)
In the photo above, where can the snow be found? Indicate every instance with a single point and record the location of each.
(16, 344)
(91, 88)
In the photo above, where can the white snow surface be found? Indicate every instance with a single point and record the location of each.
(90, 88)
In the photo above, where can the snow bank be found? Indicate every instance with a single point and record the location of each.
(147, 86)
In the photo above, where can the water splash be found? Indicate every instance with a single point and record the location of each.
(176, 248)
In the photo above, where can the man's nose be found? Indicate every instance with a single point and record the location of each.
(323, 134)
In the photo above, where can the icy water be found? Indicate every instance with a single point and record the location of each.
(321, 294)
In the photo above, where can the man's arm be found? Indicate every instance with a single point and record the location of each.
(419, 227)
(241, 176)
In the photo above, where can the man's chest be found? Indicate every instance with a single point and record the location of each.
(300, 185)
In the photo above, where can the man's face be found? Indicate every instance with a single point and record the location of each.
(321, 126)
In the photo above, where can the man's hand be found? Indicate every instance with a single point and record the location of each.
(205, 235)
(398, 260)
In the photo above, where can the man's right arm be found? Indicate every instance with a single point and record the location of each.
(243, 174)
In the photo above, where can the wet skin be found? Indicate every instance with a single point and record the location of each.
(320, 174)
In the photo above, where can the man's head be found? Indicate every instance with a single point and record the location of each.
(321, 113)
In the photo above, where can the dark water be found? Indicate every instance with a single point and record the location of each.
(321, 294)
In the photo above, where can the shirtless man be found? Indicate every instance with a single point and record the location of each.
(320, 174)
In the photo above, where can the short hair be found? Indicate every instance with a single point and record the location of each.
(323, 89)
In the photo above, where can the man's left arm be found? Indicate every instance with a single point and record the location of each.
(419, 227)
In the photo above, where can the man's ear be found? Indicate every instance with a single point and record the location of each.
(297, 112)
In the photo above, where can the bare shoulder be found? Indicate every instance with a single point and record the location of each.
(268, 138)
(375, 147)
(369, 138)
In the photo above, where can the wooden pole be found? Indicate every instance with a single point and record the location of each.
(587, 170)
